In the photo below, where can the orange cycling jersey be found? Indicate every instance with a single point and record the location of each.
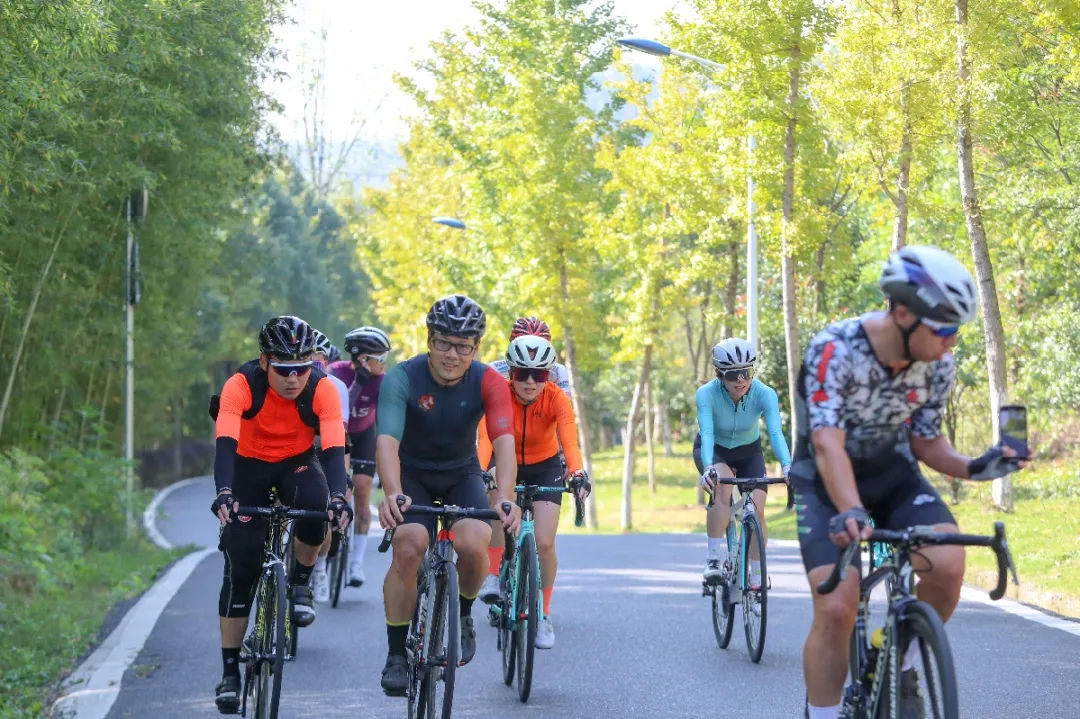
(277, 432)
(539, 428)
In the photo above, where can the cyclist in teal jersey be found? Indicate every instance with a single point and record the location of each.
(729, 442)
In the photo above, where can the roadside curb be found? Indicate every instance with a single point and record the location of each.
(149, 517)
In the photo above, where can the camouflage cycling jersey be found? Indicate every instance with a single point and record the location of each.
(842, 384)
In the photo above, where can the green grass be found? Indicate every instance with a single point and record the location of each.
(1043, 530)
(46, 628)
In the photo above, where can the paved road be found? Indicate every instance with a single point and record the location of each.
(633, 639)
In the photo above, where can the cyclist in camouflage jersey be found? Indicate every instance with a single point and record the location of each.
(870, 399)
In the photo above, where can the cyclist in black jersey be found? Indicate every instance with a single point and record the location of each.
(870, 399)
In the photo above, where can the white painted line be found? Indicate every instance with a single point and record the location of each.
(150, 514)
(91, 691)
(1021, 610)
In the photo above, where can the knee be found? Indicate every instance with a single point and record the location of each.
(948, 570)
(835, 614)
(545, 546)
(407, 555)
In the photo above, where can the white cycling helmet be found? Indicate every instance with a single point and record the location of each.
(733, 353)
(931, 283)
(530, 352)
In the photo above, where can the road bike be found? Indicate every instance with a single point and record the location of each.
(876, 661)
(433, 644)
(734, 583)
(518, 611)
(268, 641)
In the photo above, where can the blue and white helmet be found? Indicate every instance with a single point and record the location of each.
(931, 283)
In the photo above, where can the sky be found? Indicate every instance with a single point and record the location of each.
(368, 42)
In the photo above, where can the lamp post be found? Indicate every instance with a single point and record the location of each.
(134, 209)
(659, 49)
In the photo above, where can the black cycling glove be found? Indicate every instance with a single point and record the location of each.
(225, 499)
(837, 522)
(992, 464)
(339, 506)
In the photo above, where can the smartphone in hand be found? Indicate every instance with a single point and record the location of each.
(1012, 423)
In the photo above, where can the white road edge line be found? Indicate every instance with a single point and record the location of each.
(91, 691)
(149, 517)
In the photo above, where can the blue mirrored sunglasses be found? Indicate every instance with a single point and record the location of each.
(941, 330)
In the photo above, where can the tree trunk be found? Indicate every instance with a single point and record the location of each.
(984, 272)
(791, 322)
(900, 227)
(650, 433)
(104, 408)
(577, 399)
(665, 428)
(87, 398)
(628, 439)
(34, 297)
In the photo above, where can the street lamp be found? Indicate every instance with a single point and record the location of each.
(134, 210)
(659, 49)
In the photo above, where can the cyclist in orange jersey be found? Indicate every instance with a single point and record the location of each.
(265, 422)
(543, 419)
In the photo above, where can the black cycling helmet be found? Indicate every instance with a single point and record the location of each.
(457, 316)
(367, 341)
(287, 337)
(335, 354)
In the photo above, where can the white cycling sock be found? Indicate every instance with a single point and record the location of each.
(718, 548)
(910, 656)
(359, 543)
(823, 712)
(320, 563)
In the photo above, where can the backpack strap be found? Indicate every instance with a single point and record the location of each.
(258, 384)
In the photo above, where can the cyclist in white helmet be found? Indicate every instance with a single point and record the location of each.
(728, 444)
(870, 399)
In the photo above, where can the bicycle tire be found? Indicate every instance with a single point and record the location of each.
(936, 671)
(723, 610)
(272, 663)
(443, 653)
(293, 631)
(507, 637)
(528, 615)
(338, 569)
(754, 623)
(414, 652)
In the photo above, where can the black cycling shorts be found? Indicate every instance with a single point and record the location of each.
(300, 484)
(363, 451)
(745, 461)
(463, 487)
(896, 498)
(548, 473)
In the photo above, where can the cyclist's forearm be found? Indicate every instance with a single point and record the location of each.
(939, 454)
(388, 464)
(834, 466)
(224, 462)
(505, 466)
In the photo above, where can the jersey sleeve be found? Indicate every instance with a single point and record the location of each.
(926, 420)
(561, 377)
(327, 407)
(235, 400)
(828, 374)
(343, 396)
(393, 398)
(770, 408)
(499, 412)
(567, 430)
(705, 423)
(484, 450)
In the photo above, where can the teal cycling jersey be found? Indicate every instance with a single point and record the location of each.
(721, 422)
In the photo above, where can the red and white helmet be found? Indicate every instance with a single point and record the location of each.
(530, 326)
(530, 352)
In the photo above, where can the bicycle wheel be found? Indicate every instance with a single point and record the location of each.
(723, 609)
(414, 652)
(444, 641)
(933, 667)
(507, 637)
(527, 615)
(338, 569)
(271, 649)
(755, 601)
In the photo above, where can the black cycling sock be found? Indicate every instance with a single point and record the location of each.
(395, 638)
(300, 574)
(230, 660)
(466, 605)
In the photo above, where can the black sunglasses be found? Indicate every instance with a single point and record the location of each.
(735, 375)
(522, 374)
(286, 369)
